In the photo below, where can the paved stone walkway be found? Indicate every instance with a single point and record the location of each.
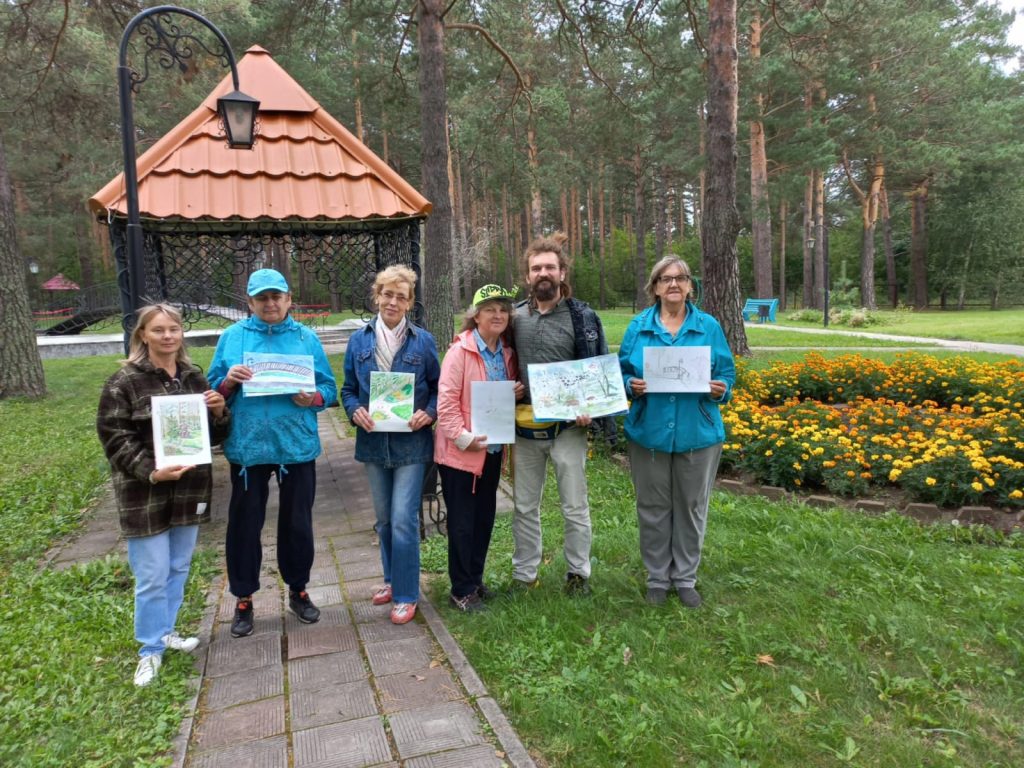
(353, 689)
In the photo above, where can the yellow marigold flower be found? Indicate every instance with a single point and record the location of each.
(930, 481)
(989, 482)
(894, 475)
(797, 466)
(768, 452)
(1017, 494)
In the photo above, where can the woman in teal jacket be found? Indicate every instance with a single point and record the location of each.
(274, 436)
(675, 438)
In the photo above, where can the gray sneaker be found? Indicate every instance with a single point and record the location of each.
(689, 597)
(656, 595)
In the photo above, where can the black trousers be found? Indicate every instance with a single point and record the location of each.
(247, 513)
(470, 521)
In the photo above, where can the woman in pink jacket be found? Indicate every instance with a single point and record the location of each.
(468, 465)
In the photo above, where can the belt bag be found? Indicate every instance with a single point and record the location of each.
(531, 429)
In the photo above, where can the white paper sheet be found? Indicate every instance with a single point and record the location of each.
(493, 411)
(677, 369)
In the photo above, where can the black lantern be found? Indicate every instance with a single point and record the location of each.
(238, 114)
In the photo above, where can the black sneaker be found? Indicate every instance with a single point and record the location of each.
(485, 593)
(242, 625)
(303, 607)
(576, 585)
(471, 603)
(689, 597)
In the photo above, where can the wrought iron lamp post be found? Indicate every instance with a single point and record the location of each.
(171, 46)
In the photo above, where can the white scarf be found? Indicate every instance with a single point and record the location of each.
(389, 341)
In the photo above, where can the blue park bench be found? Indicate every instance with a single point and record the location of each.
(762, 309)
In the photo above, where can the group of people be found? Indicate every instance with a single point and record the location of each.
(675, 442)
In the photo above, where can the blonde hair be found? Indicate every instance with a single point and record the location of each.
(396, 273)
(661, 266)
(137, 348)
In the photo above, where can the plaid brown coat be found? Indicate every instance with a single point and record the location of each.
(124, 423)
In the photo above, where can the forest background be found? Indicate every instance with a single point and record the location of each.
(881, 137)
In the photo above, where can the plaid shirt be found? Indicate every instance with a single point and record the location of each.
(125, 427)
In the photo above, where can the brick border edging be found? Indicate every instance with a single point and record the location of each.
(1005, 522)
(515, 752)
(179, 744)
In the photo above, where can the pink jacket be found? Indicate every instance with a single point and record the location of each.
(462, 365)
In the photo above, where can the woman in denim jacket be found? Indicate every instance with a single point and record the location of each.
(396, 462)
(675, 438)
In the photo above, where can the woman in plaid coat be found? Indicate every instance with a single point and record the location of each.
(160, 509)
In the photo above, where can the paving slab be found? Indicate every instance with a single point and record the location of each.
(480, 756)
(435, 729)
(237, 725)
(332, 668)
(242, 687)
(355, 744)
(261, 753)
(392, 657)
(238, 654)
(409, 690)
(333, 704)
(317, 640)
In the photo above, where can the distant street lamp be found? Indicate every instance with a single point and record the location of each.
(172, 47)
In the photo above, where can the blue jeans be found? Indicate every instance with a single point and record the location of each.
(397, 494)
(160, 564)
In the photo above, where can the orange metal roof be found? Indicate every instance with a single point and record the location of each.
(305, 164)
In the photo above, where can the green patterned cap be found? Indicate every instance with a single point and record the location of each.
(494, 292)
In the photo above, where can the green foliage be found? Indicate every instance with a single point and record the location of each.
(904, 654)
(66, 693)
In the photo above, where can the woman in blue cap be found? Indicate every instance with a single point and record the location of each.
(273, 435)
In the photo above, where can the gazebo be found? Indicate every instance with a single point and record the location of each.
(310, 199)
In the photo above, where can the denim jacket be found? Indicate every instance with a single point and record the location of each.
(418, 355)
(684, 421)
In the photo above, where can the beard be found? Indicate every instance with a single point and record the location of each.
(545, 289)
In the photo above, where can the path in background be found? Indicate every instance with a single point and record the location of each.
(353, 689)
(957, 344)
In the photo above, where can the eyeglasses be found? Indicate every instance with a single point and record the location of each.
(389, 296)
(669, 279)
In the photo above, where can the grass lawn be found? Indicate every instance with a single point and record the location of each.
(1004, 326)
(67, 648)
(890, 644)
(827, 637)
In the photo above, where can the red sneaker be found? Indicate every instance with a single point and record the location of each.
(403, 613)
(382, 596)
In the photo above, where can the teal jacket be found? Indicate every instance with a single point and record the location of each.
(683, 421)
(272, 429)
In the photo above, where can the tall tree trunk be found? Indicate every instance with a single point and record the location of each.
(783, 215)
(21, 370)
(590, 221)
(819, 239)
(661, 217)
(808, 248)
(965, 273)
(357, 88)
(919, 245)
(437, 262)
(721, 218)
(640, 213)
(892, 283)
(601, 239)
(698, 205)
(760, 209)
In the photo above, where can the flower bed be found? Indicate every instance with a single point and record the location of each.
(949, 432)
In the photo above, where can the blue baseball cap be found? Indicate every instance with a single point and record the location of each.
(266, 280)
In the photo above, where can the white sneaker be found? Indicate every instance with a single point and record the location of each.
(147, 669)
(176, 642)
